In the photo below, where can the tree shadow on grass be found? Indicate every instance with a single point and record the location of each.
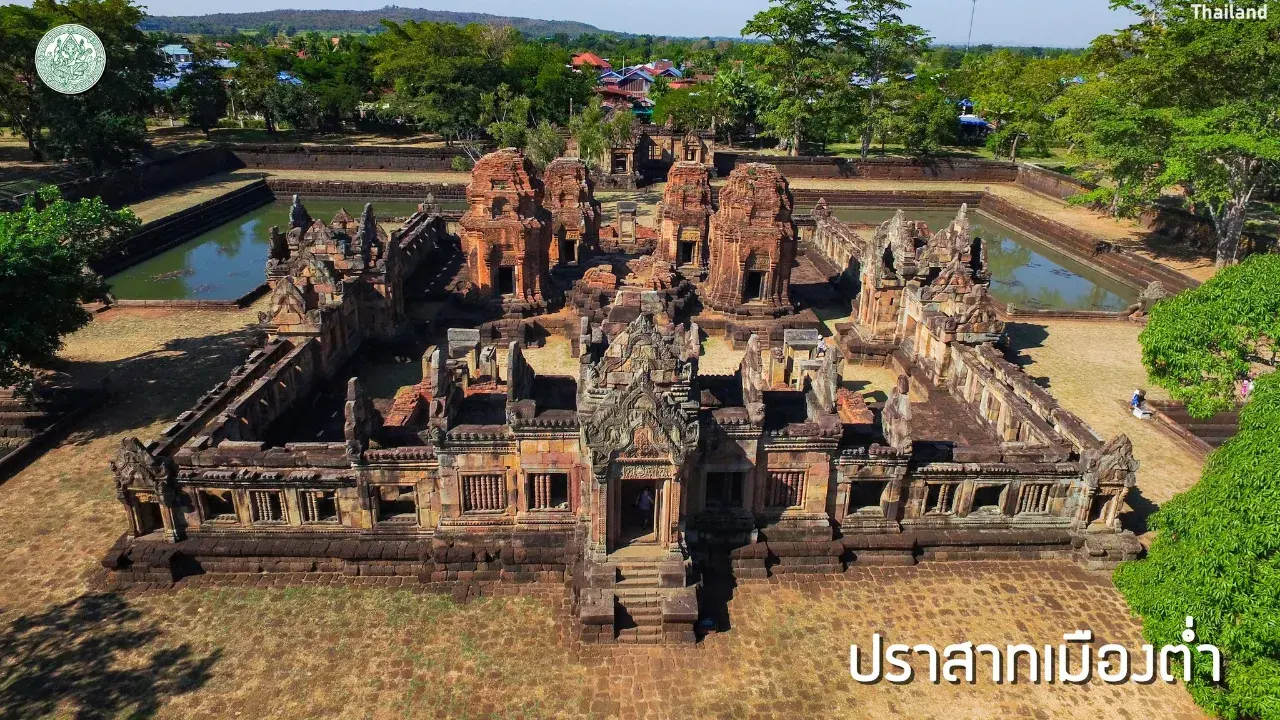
(1023, 336)
(158, 384)
(91, 658)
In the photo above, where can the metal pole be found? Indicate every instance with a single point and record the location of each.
(968, 43)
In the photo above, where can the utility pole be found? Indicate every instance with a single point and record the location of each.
(968, 43)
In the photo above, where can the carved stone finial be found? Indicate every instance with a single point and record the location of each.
(1116, 464)
(357, 413)
(298, 215)
(820, 210)
(896, 416)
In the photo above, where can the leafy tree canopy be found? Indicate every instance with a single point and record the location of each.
(1201, 342)
(1216, 558)
(591, 131)
(544, 144)
(104, 126)
(44, 257)
(202, 96)
(1206, 91)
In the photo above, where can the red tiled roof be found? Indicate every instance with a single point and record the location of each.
(588, 58)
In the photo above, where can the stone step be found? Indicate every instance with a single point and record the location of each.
(638, 583)
(637, 594)
(650, 620)
(640, 636)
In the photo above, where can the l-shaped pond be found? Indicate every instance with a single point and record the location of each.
(1024, 271)
(230, 260)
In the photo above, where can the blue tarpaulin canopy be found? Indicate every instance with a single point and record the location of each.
(975, 121)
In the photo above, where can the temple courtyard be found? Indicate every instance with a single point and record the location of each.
(294, 647)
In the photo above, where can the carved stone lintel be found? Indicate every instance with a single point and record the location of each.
(136, 468)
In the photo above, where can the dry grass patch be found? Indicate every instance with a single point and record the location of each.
(1092, 368)
(190, 195)
(443, 177)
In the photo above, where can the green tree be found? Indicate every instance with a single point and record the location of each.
(540, 71)
(1200, 343)
(294, 105)
(734, 102)
(622, 128)
(439, 72)
(929, 120)
(685, 107)
(340, 78)
(544, 144)
(20, 89)
(796, 63)
(105, 125)
(1119, 145)
(201, 96)
(45, 249)
(883, 48)
(1216, 558)
(590, 131)
(505, 117)
(254, 79)
(1214, 86)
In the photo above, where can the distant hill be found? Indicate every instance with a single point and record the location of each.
(339, 21)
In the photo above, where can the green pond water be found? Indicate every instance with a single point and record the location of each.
(1024, 271)
(231, 260)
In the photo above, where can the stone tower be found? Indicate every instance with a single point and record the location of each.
(753, 244)
(506, 234)
(575, 214)
(684, 215)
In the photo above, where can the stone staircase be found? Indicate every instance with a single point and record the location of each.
(1199, 436)
(27, 424)
(639, 602)
(637, 598)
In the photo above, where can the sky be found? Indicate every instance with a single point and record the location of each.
(1048, 23)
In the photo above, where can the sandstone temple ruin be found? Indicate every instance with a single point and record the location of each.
(640, 477)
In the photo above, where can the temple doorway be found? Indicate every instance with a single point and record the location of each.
(506, 281)
(686, 252)
(149, 517)
(638, 512)
(754, 286)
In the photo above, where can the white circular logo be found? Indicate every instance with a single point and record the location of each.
(70, 59)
